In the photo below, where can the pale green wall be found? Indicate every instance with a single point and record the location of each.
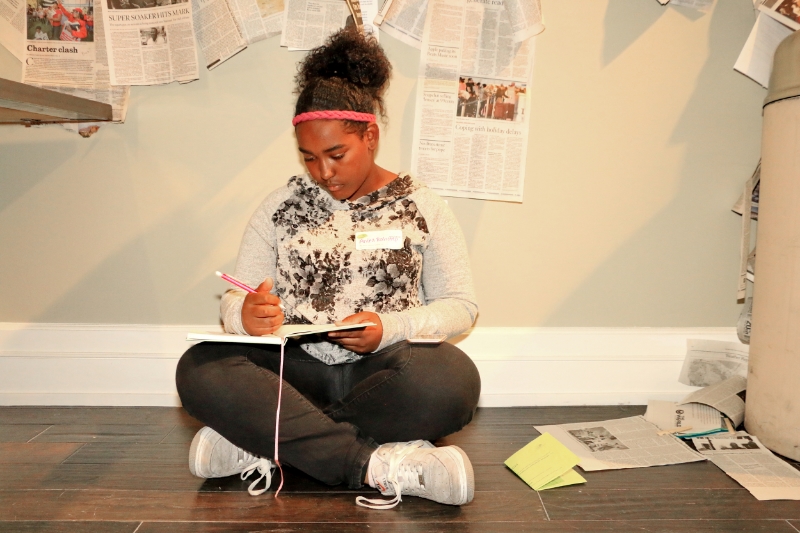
(641, 137)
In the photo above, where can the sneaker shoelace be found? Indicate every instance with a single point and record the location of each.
(411, 476)
(265, 468)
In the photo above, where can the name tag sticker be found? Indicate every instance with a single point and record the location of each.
(390, 239)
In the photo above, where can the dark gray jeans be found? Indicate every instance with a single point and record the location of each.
(332, 416)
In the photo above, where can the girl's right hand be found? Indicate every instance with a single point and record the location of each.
(261, 312)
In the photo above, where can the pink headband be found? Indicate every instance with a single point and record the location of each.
(333, 115)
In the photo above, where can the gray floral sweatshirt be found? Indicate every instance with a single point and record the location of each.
(398, 252)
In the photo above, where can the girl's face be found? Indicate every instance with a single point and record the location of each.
(341, 162)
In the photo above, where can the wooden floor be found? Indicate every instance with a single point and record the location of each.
(124, 470)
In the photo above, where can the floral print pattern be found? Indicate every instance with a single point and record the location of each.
(320, 274)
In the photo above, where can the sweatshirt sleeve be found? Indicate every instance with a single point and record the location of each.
(257, 260)
(449, 306)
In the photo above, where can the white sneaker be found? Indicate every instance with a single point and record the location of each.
(419, 468)
(212, 455)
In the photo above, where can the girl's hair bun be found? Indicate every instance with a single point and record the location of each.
(350, 56)
(350, 72)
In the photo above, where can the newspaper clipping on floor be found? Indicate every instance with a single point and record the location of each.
(623, 443)
(472, 119)
(12, 25)
(722, 396)
(67, 53)
(690, 420)
(150, 42)
(750, 464)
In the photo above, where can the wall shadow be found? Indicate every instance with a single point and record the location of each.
(671, 292)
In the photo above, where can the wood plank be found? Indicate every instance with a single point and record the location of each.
(702, 475)
(571, 503)
(241, 507)
(20, 432)
(95, 415)
(36, 452)
(480, 433)
(121, 452)
(583, 526)
(483, 454)
(18, 526)
(132, 476)
(182, 433)
(383, 527)
(105, 433)
(554, 415)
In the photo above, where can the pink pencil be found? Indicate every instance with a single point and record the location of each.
(235, 281)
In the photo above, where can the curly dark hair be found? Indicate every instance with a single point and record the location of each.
(350, 72)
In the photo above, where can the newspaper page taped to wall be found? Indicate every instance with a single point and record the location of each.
(472, 119)
(525, 17)
(225, 27)
(150, 42)
(307, 23)
(755, 59)
(629, 442)
(709, 362)
(257, 19)
(67, 53)
(405, 19)
(217, 32)
(13, 14)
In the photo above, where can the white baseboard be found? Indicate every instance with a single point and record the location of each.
(123, 365)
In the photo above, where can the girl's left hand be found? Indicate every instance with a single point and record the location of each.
(359, 340)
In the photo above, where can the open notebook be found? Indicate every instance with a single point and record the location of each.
(288, 330)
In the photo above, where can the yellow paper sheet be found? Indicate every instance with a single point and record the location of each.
(545, 463)
(570, 477)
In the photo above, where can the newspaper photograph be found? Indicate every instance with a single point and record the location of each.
(13, 15)
(61, 49)
(471, 123)
(404, 20)
(723, 397)
(786, 12)
(150, 42)
(753, 466)
(709, 362)
(217, 32)
(695, 419)
(307, 23)
(623, 443)
(75, 61)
